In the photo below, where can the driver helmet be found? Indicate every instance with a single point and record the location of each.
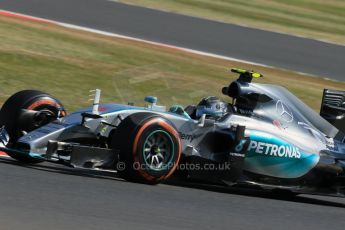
(212, 106)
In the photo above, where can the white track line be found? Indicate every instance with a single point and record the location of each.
(109, 34)
(161, 44)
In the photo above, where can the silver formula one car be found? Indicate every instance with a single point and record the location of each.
(266, 137)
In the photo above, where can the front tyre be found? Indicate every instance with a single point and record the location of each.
(149, 147)
(10, 117)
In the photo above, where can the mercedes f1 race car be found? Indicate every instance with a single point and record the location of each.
(264, 137)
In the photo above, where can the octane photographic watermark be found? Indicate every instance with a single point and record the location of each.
(121, 166)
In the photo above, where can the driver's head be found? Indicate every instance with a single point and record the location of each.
(212, 106)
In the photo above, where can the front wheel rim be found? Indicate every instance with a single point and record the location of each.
(158, 150)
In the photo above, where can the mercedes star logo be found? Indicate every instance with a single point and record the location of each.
(284, 111)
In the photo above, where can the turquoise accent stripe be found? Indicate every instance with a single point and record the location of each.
(263, 161)
(30, 154)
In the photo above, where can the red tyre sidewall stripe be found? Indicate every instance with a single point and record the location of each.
(135, 147)
(35, 105)
(175, 133)
(43, 102)
(168, 127)
(3, 154)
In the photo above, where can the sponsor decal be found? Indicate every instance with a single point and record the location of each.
(240, 146)
(102, 108)
(246, 112)
(284, 112)
(188, 137)
(236, 154)
(269, 155)
(268, 149)
(317, 134)
(331, 145)
(277, 124)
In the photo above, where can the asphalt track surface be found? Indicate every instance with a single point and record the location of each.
(47, 196)
(273, 49)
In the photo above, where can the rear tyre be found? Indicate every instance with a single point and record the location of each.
(10, 116)
(149, 148)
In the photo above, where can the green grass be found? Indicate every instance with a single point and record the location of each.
(68, 63)
(312, 18)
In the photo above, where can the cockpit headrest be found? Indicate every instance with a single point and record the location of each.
(233, 90)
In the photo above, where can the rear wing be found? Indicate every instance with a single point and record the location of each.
(333, 108)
